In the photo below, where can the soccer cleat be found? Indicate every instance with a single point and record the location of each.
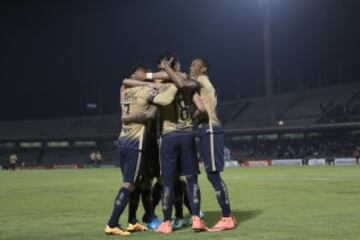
(115, 231)
(137, 227)
(165, 227)
(225, 223)
(178, 223)
(198, 224)
(188, 221)
(154, 224)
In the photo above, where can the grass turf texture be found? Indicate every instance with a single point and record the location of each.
(269, 203)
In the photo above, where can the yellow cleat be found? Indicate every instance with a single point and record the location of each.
(115, 231)
(137, 227)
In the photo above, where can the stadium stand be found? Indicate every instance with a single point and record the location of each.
(319, 111)
(294, 108)
(313, 147)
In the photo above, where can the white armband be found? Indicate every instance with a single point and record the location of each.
(149, 75)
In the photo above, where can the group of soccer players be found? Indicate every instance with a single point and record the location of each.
(167, 103)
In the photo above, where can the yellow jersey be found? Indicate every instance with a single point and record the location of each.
(134, 100)
(174, 109)
(209, 99)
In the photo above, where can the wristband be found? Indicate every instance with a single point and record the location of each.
(149, 75)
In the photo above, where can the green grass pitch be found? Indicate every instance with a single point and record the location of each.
(269, 203)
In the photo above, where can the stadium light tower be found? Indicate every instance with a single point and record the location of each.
(264, 6)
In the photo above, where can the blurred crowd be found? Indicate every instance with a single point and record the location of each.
(316, 147)
(347, 112)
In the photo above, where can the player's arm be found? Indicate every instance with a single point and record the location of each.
(157, 75)
(164, 98)
(143, 117)
(200, 110)
(128, 82)
(199, 103)
(179, 79)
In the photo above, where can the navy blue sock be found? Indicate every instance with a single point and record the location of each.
(121, 200)
(194, 196)
(147, 202)
(179, 198)
(156, 194)
(167, 202)
(186, 200)
(134, 204)
(221, 192)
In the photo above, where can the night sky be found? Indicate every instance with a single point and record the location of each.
(58, 55)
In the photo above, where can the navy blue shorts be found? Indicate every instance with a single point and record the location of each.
(178, 153)
(212, 148)
(130, 164)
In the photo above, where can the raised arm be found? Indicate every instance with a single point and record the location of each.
(158, 75)
(127, 82)
(179, 79)
(143, 117)
(200, 111)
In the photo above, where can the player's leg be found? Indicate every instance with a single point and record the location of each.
(151, 171)
(134, 204)
(133, 224)
(147, 200)
(179, 190)
(130, 161)
(212, 146)
(169, 151)
(156, 193)
(190, 169)
(153, 197)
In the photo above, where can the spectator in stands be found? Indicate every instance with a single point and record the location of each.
(347, 112)
(13, 159)
(98, 159)
(317, 147)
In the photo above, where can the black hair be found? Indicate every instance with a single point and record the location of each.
(167, 56)
(205, 63)
(144, 67)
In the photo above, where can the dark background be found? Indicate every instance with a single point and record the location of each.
(56, 56)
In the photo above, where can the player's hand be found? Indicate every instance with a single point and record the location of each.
(166, 63)
(151, 84)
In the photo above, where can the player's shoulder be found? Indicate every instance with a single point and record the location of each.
(165, 86)
(133, 89)
(203, 79)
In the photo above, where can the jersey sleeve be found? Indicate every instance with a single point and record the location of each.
(202, 81)
(166, 97)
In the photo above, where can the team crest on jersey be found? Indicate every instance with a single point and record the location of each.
(164, 87)
(129, 97)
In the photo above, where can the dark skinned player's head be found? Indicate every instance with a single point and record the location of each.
(199, 66)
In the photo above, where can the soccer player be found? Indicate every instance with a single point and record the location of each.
(136, 112)
(143, 187)
(177, 144)
(13, 159)
(211, 139)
